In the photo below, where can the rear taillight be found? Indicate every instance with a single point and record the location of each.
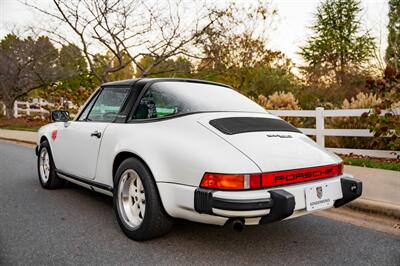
(271, 179)
(280, 178)
(230, 182)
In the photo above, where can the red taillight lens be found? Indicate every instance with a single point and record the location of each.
(230, 182)
(273, 179)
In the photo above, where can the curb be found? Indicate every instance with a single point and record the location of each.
(375, 207)
(18, 140)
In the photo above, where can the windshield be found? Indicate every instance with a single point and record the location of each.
(172, 97)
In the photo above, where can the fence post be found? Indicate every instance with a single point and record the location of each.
(41, 109)
(16, 109)
(319, 125)
(28, 107)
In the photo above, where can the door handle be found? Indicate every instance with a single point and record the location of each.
(96, 134)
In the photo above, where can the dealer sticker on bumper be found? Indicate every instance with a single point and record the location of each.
(319, 197)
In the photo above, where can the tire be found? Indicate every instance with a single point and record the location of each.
(46, 169)
(137, 204)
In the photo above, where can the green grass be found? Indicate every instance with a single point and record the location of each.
(372, 164)
(21, 127)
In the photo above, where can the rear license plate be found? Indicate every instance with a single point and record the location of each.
(319, 197)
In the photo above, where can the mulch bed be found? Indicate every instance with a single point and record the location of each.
(375, 159)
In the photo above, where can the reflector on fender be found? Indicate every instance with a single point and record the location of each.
(272, 179)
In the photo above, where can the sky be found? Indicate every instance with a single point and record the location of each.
(289, 29)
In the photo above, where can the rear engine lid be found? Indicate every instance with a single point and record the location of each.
(270, 142)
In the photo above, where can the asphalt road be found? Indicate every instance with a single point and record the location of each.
(77, 226)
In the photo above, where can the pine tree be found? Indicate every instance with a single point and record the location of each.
(337, 45)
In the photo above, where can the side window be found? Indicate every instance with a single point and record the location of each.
(156, 103)
(108, 104)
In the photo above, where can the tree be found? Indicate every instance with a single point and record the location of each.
(337, 47)
(75, 83)
(26, 64)
(244, 61)
(234, 51)
(130, 29)
(71, 61)
(103, 61)
(177, 67)
(393, 49)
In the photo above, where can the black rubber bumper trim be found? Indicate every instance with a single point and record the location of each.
(351, 189)
(37, 150)
(284, 204)
(281, 204)
(204, 202)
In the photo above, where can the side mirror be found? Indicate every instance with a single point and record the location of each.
(60, 116)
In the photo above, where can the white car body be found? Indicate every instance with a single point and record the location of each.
(180, 150)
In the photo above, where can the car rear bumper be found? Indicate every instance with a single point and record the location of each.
(280, 204)
(254, 206)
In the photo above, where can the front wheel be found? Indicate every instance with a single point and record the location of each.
(137, 204)
(46, 169)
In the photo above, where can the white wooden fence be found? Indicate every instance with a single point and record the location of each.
(32, 108)
(28, 108)
(320, 131)
(36, 107)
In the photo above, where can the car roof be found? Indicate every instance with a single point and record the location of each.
(130, 82)
(125, 82)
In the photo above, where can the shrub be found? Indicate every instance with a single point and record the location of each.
(388, 125)
(360, 101)
(281, 101)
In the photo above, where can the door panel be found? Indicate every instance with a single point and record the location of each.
(77, 144)
(76, 148)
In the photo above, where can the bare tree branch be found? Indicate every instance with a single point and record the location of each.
(113, 26)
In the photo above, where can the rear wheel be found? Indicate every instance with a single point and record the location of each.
(137, 204)
(46, 169)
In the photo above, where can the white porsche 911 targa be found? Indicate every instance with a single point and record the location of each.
(190, 149)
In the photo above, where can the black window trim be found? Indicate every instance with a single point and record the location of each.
(137, 91)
